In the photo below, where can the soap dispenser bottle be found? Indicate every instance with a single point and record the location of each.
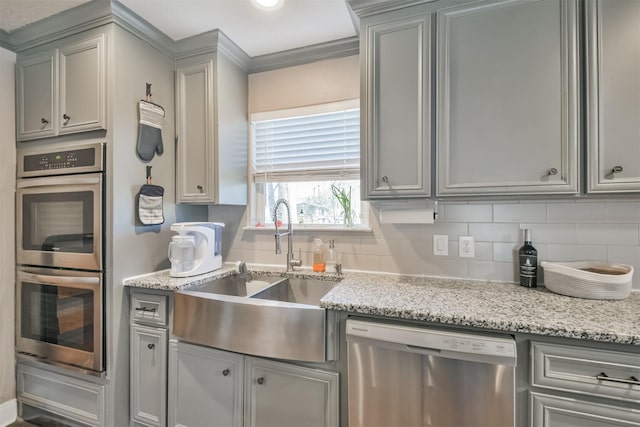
(318, 255)
(332, 260)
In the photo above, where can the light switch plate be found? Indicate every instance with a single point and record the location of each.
(440, 244)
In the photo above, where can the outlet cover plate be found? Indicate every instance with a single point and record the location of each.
(466, 247)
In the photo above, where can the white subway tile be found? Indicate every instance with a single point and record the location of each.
(551, 233)
(623, 212)
(557, 252)
(506, 252)
(495, 232)
(529, 212)
(501, 271)
(607, 234)
(574, 213)
(626, 255)
(466, 213)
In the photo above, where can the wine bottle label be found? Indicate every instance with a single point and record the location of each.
(528, 266)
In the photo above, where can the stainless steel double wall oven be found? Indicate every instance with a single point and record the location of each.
(59, 252)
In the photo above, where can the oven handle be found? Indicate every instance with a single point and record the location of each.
(49, 181)
(61, 280)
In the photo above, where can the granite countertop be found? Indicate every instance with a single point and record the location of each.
(472, 303)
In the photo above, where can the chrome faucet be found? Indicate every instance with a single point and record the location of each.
(291, 261)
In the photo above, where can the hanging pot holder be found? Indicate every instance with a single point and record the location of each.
(150, 205)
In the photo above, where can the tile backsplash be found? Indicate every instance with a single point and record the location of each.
(567, 230)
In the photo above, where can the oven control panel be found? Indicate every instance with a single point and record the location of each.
(70, 159)
(61, 159)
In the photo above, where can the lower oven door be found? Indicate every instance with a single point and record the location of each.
(60, 316)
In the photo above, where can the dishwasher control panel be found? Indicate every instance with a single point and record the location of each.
(434, 342)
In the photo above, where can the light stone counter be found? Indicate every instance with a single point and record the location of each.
(471, 303)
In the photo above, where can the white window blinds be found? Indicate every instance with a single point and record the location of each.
(310, 147)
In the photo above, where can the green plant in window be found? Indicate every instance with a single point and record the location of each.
(345, 202)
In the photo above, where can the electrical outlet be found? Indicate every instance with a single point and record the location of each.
(466, 247)
(440, 244)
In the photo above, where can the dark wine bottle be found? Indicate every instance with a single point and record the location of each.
(528, 258)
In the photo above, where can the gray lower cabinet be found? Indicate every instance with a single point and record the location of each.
(507, 103)
(149, 332)
(396, 104)
(284, 395)
(613, 95)
(148, 375)
(211, 127)
(583, 387)
(210, 387)
(205, 386)
(61, 89)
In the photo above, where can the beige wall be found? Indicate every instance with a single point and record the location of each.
(310, 84)
(7, 226)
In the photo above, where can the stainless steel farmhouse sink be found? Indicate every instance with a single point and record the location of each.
(269, 316)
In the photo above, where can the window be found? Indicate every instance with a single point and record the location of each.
(311, 157)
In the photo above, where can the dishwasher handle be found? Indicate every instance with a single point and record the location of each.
(423, 350)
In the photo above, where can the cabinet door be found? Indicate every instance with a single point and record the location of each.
(554, 411)
(36, 78)
(205, 386)
(82, 86)
(148, 375)
(196, 132)
(396, 125)
(613, 95)
(507, 102)
(285, 395)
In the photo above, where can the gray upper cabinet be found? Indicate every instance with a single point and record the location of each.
(36, 83)
(613, 95)
(211, 126)
(507, 98)
(82, 86)
(395, 50)
(62, 90)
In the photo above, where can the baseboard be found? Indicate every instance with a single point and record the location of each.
(8, 412)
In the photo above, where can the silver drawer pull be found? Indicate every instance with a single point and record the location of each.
(616, 169)
(631, 380)
(552, 171)
(145, 309)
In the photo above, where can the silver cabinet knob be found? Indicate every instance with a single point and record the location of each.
(66, 118)
(260, 380)
(616, 169)
(226, 373)
(385, 179)
(151, 346)
(44, 121)
(552, 171)
(200, 188)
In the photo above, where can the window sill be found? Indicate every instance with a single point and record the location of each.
(313, 227)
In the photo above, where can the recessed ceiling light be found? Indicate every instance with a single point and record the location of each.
(268, 4)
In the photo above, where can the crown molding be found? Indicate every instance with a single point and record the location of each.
(102, 12)
(141, 28)
(371, 7)
(5, 40)
(209, 42)
(87, 16)
(304, 55)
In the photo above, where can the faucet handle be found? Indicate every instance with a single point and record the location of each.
(296, 262)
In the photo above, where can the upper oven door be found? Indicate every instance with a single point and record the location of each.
(59, 221)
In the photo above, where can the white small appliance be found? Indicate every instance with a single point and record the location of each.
(199, 241)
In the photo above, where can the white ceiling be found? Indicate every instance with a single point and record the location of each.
(296, 24)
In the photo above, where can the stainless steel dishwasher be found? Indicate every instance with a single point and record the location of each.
(406, 376)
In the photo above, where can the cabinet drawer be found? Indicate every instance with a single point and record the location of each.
(604, 373)
(70, 397)
(553, 411)
(149, 308)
